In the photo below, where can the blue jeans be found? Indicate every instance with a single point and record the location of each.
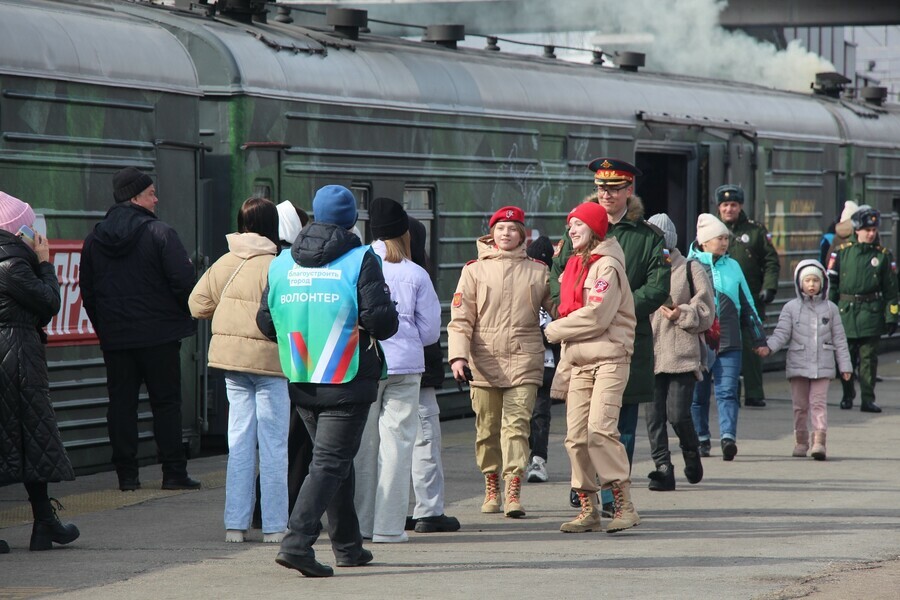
(259, 413)
(726, 372)
(628, 420)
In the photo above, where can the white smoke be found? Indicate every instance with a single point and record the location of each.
(684, 36)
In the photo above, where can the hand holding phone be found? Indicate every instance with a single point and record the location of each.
(27, 234)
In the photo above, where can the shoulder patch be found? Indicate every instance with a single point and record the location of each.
(655, 229)
(558, 248)
(457, 300)
(844, 246)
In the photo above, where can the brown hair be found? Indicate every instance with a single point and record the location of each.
(260, 216)
(396, 249)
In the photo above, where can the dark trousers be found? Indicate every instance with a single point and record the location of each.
(159, 368)
(540, 417)
(672, 396)
(330, 485)
(751, 370)
(864, 355)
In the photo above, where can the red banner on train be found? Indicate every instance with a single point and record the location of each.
(70, 326)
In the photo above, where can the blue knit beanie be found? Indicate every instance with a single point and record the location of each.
(335, 204)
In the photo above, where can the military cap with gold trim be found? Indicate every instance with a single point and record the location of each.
(612, 171)
(729, 193)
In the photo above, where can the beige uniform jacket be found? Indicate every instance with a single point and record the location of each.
(237, 343)
(601, 331)
(495, 315)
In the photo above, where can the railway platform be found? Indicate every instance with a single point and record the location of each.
(766, 526)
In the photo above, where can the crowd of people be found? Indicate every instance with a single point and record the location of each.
(331, 354)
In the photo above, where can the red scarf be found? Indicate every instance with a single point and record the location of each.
(571, 289)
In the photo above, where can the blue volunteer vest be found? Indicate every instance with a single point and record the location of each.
(316, 314)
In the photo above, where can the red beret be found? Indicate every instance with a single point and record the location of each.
(593, 215)
(508, 213)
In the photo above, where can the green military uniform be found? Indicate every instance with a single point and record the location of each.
(863, 283)
(649, 270)
(752, 248)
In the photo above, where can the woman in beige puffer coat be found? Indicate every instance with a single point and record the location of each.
(259, 406)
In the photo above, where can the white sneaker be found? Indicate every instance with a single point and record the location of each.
(536, 472)
(274, 538)
(234, 535)
(390, 539)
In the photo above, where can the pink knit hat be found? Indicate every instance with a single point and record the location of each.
(14, 213)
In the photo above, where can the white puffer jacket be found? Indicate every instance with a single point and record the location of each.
(811, 329)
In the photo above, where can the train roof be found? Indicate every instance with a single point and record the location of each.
(90, 44)
(218, 56)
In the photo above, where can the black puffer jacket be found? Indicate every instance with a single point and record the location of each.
(136, 278)
(317, 245)
(30, 447)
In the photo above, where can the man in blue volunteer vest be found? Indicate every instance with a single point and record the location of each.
(326, 305)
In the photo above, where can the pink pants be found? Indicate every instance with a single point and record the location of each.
(808, 397)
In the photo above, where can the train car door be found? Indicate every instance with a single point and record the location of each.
(669, 185)
(178, 166)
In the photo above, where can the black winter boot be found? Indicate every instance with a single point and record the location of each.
(662, 479)
(4, 547)
(693, 466)
(48, 528)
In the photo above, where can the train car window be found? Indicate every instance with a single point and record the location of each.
(262, 189)
(418, 199)
(363, 194)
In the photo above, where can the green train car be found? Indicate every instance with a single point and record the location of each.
(218, 101)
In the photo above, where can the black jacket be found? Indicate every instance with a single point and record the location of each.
(30, 446)
(317, 245)
(135, 280)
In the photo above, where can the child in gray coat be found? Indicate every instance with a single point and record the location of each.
(810, 326)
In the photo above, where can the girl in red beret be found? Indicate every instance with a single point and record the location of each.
(494, 332)
(596, 329)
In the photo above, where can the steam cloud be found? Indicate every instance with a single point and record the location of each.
(684, 36)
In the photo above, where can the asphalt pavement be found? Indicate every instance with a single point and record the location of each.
(765, 526)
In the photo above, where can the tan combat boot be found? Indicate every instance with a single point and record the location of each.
(801, 444)
(818, 445)
(511, 505)
(625, 515)
(587, 520)
(491, 493)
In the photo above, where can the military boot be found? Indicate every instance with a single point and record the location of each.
(491, 493)
(818, 445)
(801, 444)
(662, 479)
(625, 516)
(587, 520)
(511, 504)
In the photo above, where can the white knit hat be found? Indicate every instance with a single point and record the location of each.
(663, 221)
(812, 270)
(709, 227)
(850, 208)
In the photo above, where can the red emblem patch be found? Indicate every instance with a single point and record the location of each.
(457, 299)
(558, 248)
(601, 285)
(831, 260)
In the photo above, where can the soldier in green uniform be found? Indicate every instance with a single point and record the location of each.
(648, 269)
(863, 278)
(752, 248)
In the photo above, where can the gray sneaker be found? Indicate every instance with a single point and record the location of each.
(536, 472)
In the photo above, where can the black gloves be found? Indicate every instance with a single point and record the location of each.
(891, 329)
(766, 296)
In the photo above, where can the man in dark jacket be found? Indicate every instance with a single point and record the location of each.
(135, 281)
(649, 271)
(752, 248)
(326, 305)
